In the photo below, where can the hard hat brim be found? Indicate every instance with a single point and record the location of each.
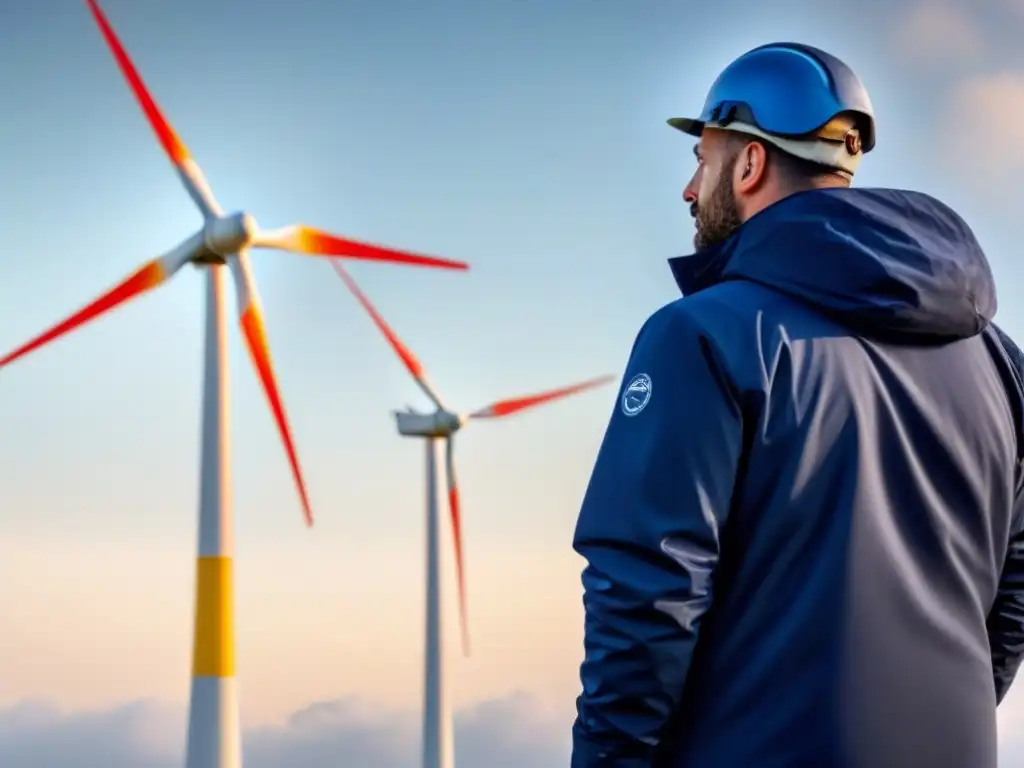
(687, 125)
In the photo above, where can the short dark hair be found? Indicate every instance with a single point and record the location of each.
(796, 172)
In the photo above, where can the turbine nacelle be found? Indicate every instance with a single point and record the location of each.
(223, 236)
(438, 424)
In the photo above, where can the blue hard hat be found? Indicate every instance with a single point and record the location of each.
(787, 90)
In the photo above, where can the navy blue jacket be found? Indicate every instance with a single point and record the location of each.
(804, 532)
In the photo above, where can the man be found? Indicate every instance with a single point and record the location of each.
(804, 532)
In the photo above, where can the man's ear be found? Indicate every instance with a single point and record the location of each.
(751, 169)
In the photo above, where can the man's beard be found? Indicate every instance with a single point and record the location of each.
(719, 217)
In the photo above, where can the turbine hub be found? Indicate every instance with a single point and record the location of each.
(449, 422)
(229, 234)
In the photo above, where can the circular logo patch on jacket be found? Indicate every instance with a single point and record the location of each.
(636, 395)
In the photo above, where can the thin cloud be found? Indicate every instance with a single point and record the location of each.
(514, 731)
(936, 33)
(509, 732)
(982, 128)
(143, 734)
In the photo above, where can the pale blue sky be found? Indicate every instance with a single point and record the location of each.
(525, 137)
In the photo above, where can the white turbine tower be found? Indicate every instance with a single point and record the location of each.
(442, 424)
(223, 240)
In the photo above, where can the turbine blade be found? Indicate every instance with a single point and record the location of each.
(456, 516)
(412, 364)
(191, 175)
(144, 279)
(514, 405)
(255, 335)
(299, 238)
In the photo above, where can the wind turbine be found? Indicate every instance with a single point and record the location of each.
(442, 424)
(223, 241)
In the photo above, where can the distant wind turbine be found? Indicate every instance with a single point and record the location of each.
(442, 424)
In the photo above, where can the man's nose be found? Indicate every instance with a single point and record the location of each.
(690, 190)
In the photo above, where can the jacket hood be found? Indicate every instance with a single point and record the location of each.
(889, 264)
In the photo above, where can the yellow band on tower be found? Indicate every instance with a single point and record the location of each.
(213, 646)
